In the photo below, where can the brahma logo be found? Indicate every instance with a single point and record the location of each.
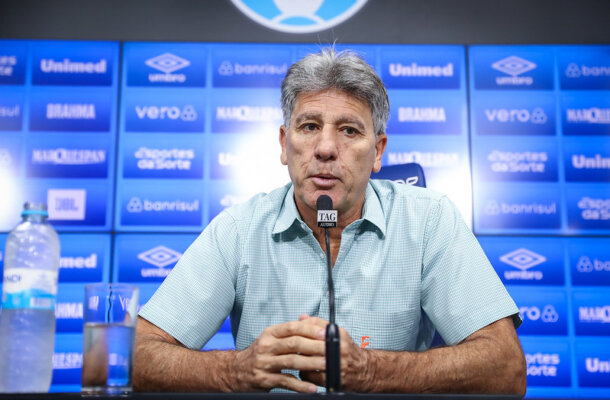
(574, 70)
(514, 66)
(523, 259)
(167, 63)
(505, 115)
(160, 257)
(187, 114)
(593, 115)
(70, 111)
(299, 16)
(66, 204)
(70, 310)
(422, 114)
(548, 315)
(585, 265)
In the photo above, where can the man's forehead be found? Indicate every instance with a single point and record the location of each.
(312, 105)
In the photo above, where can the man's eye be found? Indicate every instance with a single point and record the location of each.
(350, 131)
(309, 127)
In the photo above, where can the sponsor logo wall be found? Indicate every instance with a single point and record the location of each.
(197, 132)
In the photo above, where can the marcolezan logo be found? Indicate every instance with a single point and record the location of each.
(514, 66)
(295, 16)
(160, 257)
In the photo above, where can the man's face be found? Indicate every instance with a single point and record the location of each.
(331, 148)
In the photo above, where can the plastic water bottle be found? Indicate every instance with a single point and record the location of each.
(27, 321)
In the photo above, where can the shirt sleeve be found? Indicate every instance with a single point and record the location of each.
(197, 296)
(461, 292)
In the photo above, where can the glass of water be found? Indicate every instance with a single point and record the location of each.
(110, 315)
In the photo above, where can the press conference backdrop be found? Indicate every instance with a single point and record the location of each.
(137, 146)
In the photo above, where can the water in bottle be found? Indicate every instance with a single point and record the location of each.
(27, 321)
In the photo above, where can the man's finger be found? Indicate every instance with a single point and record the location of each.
(298, 362)
(298, 345)
(316, 377)
(290, 382)
(297, 328)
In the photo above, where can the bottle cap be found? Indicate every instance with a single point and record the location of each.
(31, 208)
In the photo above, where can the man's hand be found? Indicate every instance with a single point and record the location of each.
(355, 374)
(293, 345)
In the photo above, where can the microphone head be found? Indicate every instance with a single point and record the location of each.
(324, 202)
(327, 217)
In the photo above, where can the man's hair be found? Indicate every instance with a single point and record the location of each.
(344, 71)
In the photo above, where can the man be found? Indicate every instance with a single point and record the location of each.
(404, 263)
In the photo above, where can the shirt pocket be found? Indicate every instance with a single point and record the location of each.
(383, 330)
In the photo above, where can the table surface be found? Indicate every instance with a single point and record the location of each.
(254, 396)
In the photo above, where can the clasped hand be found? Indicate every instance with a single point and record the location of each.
(299, 345)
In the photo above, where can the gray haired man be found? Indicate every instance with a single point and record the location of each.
(404, 265)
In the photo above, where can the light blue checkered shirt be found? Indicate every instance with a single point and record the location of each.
(410, 264)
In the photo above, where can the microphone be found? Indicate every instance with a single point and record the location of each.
(327, 218)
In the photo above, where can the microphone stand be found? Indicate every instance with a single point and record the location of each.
(333, 348)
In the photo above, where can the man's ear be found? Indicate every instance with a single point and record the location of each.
(380, 144)
(283, 139)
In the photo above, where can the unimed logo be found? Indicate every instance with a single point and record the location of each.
(582, 161)
(594, 365)
(67, 66)
(78, 262)
(416, 70)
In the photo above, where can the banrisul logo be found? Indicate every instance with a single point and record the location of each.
(299, 16)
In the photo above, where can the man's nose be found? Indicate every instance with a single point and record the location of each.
(326, 144)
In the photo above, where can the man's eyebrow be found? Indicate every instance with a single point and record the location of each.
(307, 116)
(347, 119)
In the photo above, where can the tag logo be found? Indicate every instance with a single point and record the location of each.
(67, 204)
(327, 218)
(160, 256)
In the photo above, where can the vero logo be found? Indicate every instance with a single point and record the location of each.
(160, 256)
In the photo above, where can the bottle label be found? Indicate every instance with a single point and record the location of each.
(29, 288)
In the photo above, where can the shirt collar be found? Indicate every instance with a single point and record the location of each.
(371, 211)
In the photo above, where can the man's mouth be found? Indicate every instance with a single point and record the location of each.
(324, 180)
